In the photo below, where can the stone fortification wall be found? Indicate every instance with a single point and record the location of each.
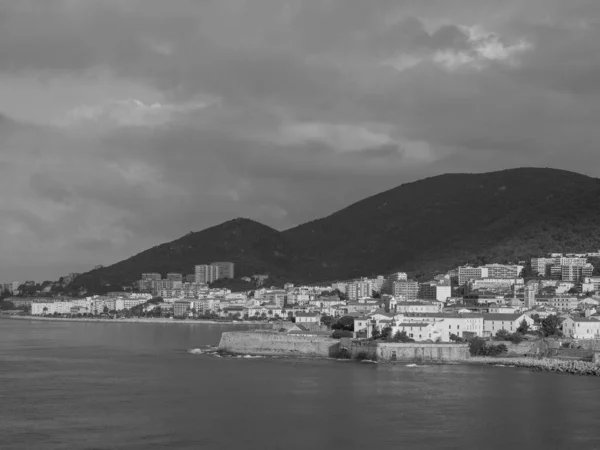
(270, 343)
(408, 352)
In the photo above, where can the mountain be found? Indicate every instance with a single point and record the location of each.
(423, 227)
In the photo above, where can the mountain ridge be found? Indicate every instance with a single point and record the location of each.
(421, 227)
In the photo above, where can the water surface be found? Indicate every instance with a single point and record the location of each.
(69, 385)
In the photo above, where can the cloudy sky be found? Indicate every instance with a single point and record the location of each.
(128, 123)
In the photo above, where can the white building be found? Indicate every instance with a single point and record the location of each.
(581, 328)
(492, 323)
(466, 273)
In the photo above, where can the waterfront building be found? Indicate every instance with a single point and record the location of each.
(581, 328)
(181, 308)
(492, 323)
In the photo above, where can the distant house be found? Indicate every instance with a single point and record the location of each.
(308, 317)
(492, 323)
(581, 328)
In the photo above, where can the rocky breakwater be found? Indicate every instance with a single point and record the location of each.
(542, 364)
(273, 343)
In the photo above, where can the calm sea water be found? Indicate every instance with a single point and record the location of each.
(66, 385)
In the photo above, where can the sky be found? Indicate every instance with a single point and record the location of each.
(128, 123)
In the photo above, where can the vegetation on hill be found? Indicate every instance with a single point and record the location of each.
(422, 228)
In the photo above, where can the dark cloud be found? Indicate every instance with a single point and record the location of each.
(281, 111)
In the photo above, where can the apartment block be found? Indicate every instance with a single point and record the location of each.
(575, 273)
(175, 277)
(206, 273)
(226, 269)
(466, 273)
(503, 270)
(408, 290)
(435, 291)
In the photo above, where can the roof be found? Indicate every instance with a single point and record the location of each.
(584, 319)
(503, 317)
(307, 314)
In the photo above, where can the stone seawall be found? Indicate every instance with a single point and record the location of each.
(408, 352)
(273, 343)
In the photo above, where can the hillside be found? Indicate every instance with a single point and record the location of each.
(422, 227)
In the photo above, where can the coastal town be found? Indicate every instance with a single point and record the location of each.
(553, 295)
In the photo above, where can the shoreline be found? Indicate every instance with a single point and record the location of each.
(573, 367)
(127, 320)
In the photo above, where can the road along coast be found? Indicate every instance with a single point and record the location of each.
(127, 320)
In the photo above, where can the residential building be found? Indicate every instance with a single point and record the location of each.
(175, 277)
(226, 269)
(576, 273)
(466, 273)
(503, 270)
(494, 283)
(462, 325)
(151, 276)
(360, 289)
(564, 303)
(181, 308)
(432, 290)
(308, 317)
(206, 273)
(128, 303)
(492, 323)
(418, 307)
(408, 290)
(581, 328)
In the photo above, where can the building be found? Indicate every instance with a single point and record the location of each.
(226, 269)
(581, 328)
(439, 291)
(151, 276)
(575, 273)
(418, 307)
(175, 277)
(206, 273)
(503, 270)
(563, 303)
(529, 295)
(492, 323)
(466, 273)
(408, 290)
(493, 283)
(181, 308)
(360, 289)
(308, 317)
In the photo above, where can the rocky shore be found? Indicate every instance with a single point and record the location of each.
(542, 364)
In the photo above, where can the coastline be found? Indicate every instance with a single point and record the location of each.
(127, 320)
(574, 367)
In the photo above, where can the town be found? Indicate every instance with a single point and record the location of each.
(553, 295)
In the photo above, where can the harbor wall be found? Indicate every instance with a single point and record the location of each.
(272, 343)
(408, 352)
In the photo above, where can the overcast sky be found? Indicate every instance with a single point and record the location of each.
(128, 123)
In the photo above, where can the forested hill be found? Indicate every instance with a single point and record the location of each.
(422, 228)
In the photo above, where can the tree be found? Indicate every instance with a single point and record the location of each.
(375, 294)
(7, 305)
(338, 334)
(386, 333)
(327, 320)
(551, 326)
(502, 334)
(516, 338)
(105, 310)
(456, 338)
(573, 291)
(523, 327)
(401, 336)
(375, 334)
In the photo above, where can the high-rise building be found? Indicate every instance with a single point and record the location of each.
(575, 273)
(226, 269)
(466, 273)
(359, 289)
(409, 290)
(206, 273)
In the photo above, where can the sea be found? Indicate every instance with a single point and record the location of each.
(71, 385)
